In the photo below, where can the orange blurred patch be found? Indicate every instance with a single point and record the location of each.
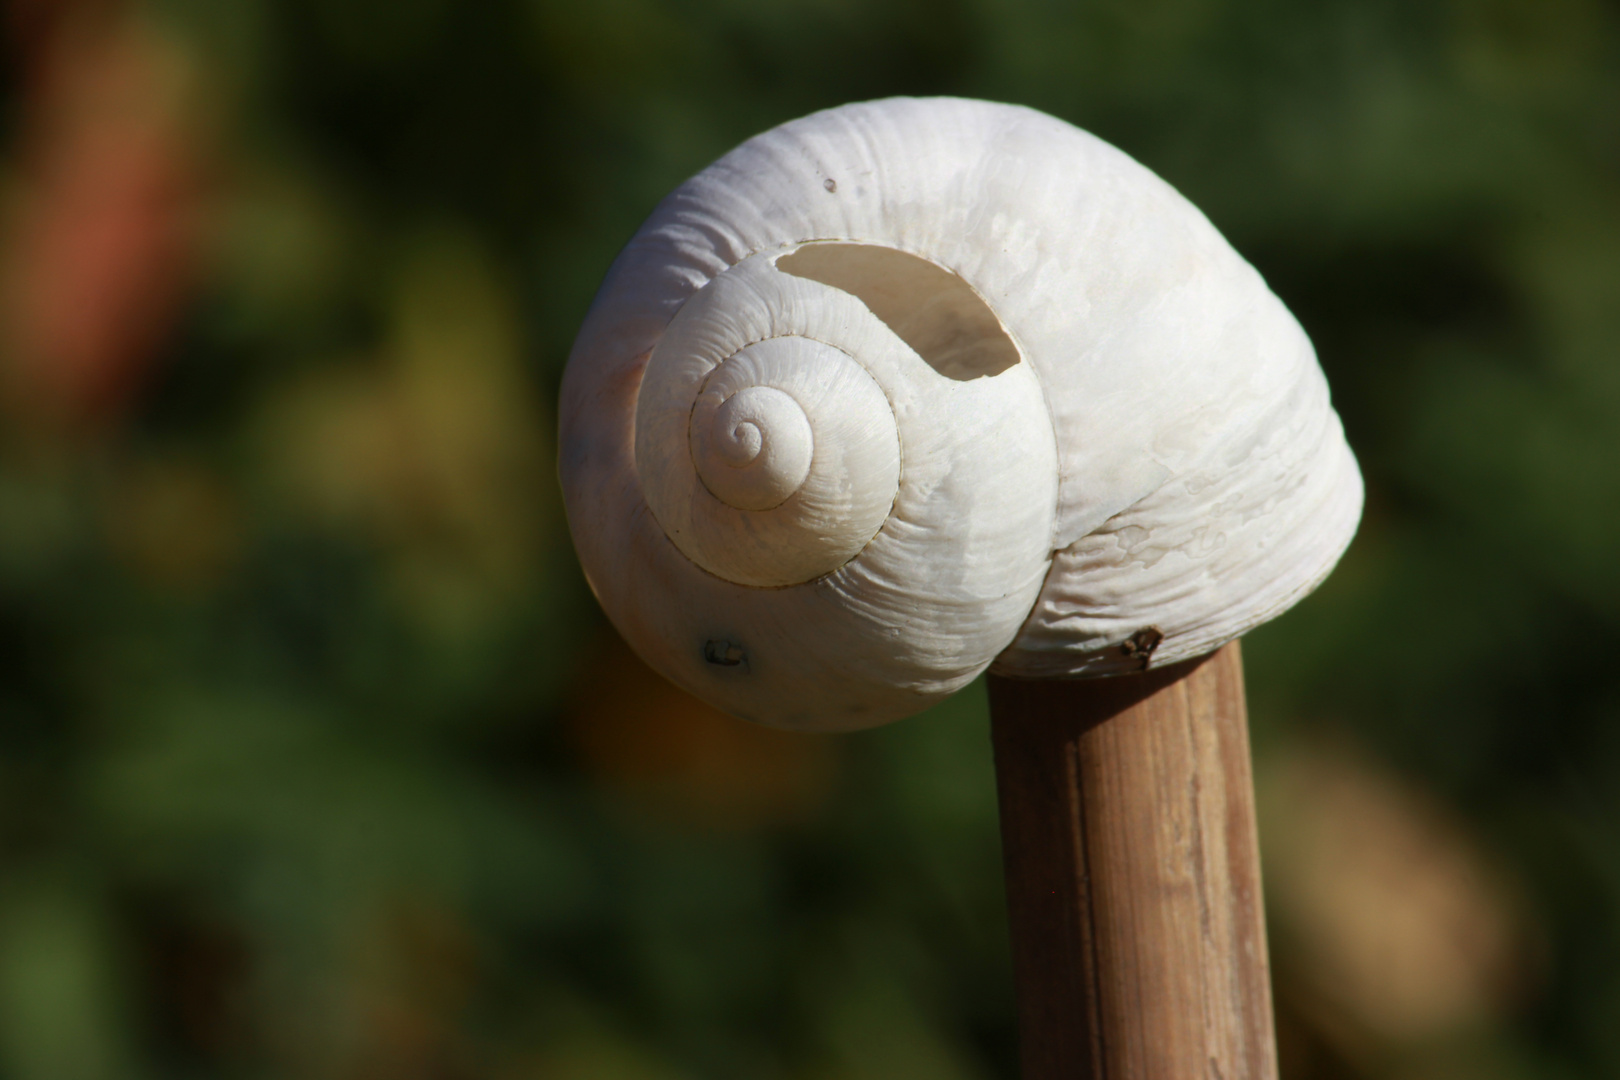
(677, 756)
(415, 971)
(99, 230)
(173, 522)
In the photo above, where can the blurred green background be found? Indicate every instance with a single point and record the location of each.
(317, 759)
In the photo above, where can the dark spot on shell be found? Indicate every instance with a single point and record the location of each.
(723, 653)
(1140, 645)
(830, 184)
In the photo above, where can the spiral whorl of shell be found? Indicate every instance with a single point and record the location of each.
(752, 445)
(768, 453)
(801, 460)
(902, 389)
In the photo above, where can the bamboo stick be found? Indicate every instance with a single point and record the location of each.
(1133, 875)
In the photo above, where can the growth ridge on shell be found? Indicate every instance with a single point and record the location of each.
(901, 390)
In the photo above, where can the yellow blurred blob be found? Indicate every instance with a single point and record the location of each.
(439, 452)
(1405, 929)
(599, 1056)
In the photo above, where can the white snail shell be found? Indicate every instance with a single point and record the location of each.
(903, 389)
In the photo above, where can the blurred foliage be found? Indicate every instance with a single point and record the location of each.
(316, 759)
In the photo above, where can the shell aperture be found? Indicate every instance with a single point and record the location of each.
(931, 309)
(997, 395)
